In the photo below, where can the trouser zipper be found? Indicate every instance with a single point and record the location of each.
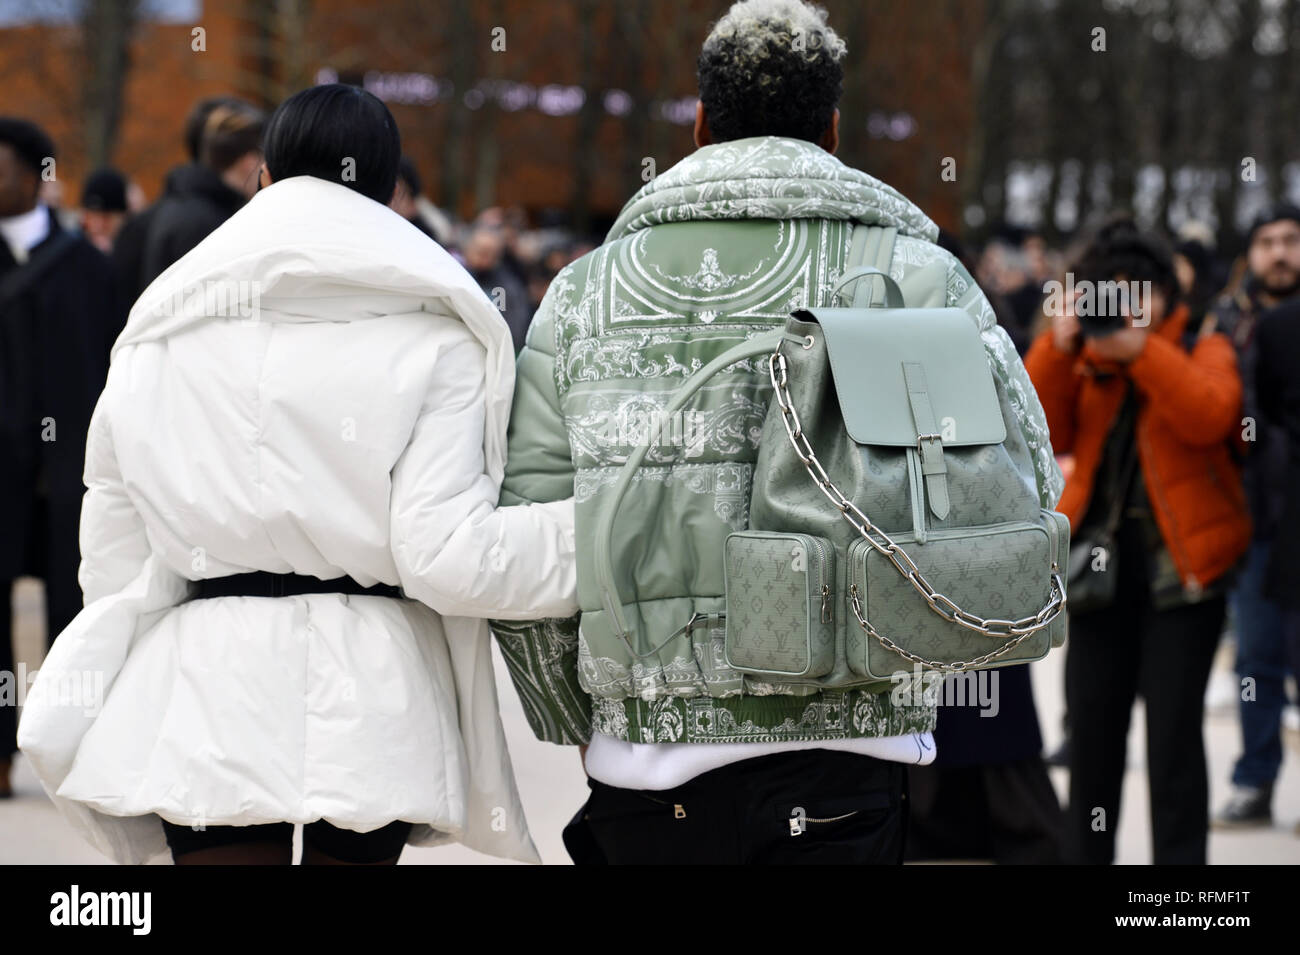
(799, 822)
(679, 811)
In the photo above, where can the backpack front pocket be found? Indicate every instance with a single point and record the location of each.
(1002, 572)
(780, 604)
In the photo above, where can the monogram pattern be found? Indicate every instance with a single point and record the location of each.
(998, 572)
(774, 605)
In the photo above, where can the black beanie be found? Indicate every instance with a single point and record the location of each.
(104, 191)
(1271, 214)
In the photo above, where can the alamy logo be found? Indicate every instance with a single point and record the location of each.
(83, 689)
(1099, 299)
(216, 299)
(103, 908)
(974, 688)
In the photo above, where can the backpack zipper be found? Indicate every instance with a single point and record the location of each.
(824, 589)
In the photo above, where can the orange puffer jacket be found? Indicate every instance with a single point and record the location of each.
(1189, 411)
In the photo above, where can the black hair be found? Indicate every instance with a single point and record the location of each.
(1275, 213)
(338, 133)
(1205, 282)
(1120, 248)
(773, 81)
(28, 141)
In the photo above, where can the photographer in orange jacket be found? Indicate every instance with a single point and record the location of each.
(1148, 408)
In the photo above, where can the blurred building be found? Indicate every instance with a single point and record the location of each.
(564, 105)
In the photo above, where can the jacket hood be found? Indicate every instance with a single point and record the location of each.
(769, 177)
(308, 250)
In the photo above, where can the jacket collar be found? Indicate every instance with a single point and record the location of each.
(768, 177)
(307, 250)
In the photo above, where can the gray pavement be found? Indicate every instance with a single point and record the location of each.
(552, 783)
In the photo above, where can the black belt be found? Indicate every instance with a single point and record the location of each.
(261, 583)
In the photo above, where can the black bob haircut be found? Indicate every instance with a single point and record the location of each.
(338, 133)
(28, 141)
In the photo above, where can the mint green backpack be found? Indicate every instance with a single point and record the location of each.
(894, 519)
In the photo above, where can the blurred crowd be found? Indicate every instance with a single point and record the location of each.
(513, 259)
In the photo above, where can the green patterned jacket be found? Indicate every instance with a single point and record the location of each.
(719, 248)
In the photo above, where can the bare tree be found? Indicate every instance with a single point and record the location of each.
(106, 29)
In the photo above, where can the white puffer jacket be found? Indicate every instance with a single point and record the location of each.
(316, 389)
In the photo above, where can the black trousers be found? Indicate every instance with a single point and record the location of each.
(1114, 656)
(346, 845)
(1005, 813)
(8, 707)
(846, 808)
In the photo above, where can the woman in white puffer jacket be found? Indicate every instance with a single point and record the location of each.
(313, 402)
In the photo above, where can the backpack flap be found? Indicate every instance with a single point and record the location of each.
(915, 378)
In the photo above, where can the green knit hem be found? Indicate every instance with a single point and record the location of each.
(832, 714)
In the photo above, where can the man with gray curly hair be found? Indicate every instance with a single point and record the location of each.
(771, 67)
(689, 759)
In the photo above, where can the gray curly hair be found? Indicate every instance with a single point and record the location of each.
(771, 68)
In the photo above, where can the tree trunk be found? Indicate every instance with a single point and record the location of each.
(462, 78)
(106, 32)
(587, 152)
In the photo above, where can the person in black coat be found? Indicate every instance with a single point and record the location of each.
(483, 253)
(59, 315)
(128, 250)
(205, 194)
(987, 795)
(1278, 395)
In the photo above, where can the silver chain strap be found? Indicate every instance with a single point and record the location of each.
(886, 547)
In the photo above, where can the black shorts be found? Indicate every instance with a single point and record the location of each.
(346, 845)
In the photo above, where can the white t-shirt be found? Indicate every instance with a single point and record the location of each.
(24, 232)
(667, 765)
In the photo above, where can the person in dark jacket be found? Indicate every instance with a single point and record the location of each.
(1272, 277)
(1278, 395)
(987, 795)
(483, 259)
(205, 194)
(406, 194)
(59, 315)
(103, 207)
(1147, 403)
(128, 250)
